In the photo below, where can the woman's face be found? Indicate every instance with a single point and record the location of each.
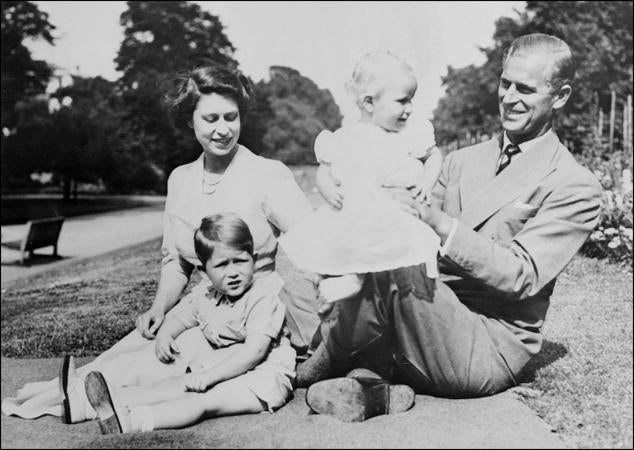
(216, 123)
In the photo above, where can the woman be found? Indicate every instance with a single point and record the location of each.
(227, 177)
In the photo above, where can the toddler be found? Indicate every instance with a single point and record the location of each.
(362, 229)
(244, 364)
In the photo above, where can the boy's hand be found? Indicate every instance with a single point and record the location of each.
(165, 348)
(196, 382)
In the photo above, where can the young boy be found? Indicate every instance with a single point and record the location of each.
(244, 365)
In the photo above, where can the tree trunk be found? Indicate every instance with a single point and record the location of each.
(75, 189)
(66, 189)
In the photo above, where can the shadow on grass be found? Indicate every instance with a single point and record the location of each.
(550, 352)
(34, 260)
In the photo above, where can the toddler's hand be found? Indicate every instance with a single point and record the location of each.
(165, 348)
(196, 382)
(329, 187)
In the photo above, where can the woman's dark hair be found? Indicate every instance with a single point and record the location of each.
(228, 229)
(206, 79)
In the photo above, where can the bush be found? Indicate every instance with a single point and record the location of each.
(612, 238)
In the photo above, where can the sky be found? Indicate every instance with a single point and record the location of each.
(322, 40)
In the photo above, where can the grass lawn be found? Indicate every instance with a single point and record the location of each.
(581, 383)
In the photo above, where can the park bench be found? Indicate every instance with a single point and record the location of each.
(39, 233)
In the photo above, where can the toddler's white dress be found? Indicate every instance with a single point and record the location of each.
(370, 233)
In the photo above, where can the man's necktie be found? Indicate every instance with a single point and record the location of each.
(505, 158)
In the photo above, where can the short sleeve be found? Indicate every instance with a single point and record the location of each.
(188, 314)
(324, 147)
(285, 202)
(422, 134)
(265, 316)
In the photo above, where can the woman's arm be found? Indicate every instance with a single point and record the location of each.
(285, 203)
(175, 272)
(250, 354)
(171, 285)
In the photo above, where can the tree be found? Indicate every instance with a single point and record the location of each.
(300, 110)
(21, 75)
(73, 142)
(600, 36)
(161, 39)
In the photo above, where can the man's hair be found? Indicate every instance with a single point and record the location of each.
(228, 229)
(563, 67)
(368, 75)
(210, 78)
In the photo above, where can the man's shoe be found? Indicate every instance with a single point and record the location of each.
(361, 372)
(112, 419)
(358, 399)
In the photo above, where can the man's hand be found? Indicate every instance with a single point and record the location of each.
(149, 322)
(425, 192)
(414, 201)
(165, 348)
(197, 382)
(408, 196)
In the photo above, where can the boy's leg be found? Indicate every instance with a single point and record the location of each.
(227, 398)
(167, 405)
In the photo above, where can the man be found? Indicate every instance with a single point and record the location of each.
(511, 213)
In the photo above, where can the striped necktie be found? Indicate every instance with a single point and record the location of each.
(505, 158)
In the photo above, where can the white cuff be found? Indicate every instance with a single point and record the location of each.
(445, 247)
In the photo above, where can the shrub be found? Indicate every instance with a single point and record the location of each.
(612, 238)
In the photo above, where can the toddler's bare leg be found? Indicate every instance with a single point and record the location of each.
(332, 289)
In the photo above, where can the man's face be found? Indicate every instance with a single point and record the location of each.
(527, 102)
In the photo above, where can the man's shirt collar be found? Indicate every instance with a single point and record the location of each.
(527, 145)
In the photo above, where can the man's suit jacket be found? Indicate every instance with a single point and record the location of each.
(517, 231)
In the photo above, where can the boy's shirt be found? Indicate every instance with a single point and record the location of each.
(225, 322)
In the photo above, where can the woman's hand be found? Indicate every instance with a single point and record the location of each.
(165, 348)
(149, 322)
